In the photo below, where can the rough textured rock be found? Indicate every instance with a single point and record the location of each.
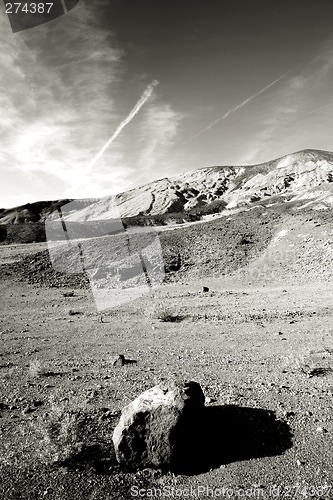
(159, 427)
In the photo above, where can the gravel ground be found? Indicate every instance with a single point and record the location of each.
(260, 348)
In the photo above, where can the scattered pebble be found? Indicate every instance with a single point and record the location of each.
(321, 430)
(48, 491)
(27, 410)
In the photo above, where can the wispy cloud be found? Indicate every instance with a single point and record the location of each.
(152, 139)
(159, 133)
(63, 90)
(53, 102)
(283, 120)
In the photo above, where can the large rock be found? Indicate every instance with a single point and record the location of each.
(160, 426)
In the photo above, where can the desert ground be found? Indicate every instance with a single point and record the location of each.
(259, 344)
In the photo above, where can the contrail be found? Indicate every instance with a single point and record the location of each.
(143, 99)
(319, 109)
(236, 108)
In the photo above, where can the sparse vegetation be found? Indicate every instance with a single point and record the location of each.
(162, 313)
(60, 431)
(310, 364)
(37, 369)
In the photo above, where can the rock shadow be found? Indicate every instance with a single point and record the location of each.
(319, 372)
(224, 434)
(51, 373)
(98, 457)
(130, 361)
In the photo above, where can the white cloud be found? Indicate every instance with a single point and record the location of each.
(64, 95)
(59, 83)
(158, 134)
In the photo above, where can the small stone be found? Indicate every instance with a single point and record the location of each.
(118, 361)
(205, 289)
(73, 312)
(27, 410)
(48, 491)
(289, 414)
(209, 400)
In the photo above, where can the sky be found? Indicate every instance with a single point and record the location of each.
(118, 93)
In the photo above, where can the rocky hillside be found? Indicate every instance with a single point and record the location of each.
(259, 246)
(30, 212)
(38, 211)
(304, 179)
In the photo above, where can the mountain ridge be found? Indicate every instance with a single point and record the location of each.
(303, 178)
(294, 178)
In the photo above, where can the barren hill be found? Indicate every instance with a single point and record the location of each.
(304, 178)
(299, 181)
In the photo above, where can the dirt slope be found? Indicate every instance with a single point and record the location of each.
(256, 246)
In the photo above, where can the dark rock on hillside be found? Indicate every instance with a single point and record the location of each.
(3, 233)
(30, 212)
(37, 270)
(30, 232)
